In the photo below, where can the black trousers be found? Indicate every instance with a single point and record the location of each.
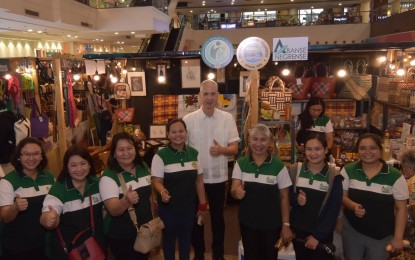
(216, 197)
(259, 244)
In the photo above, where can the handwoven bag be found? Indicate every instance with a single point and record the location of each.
(124, 115)
(323, 86)
(276, 94)
(299, 86)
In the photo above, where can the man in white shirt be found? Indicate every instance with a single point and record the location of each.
(214, 134)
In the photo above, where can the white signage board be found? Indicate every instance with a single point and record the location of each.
(290, 49)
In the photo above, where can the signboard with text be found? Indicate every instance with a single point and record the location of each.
(290, 49)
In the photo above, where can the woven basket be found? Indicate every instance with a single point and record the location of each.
(277, 95)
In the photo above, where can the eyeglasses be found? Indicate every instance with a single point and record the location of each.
(36, 155)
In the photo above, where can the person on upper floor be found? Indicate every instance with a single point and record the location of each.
(313, 119)
(22, 192)
(374, 203)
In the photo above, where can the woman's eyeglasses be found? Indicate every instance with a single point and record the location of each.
(36, 155)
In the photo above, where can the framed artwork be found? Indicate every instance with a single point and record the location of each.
(158, 132)
(122, 91)
(244, 82)
(190, 73)
(137, 81)
(220, 75)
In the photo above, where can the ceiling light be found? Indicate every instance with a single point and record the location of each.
(76, 36)
(341, 73)
(76, 77)
(132, 32)
(340, 3)
(382, 58)
(191, 11)
(116, 33)
(114, 80)
(68, 35)
(30, 30)
(285, 72)
(211, 75)
(7, 76)
(39, 31)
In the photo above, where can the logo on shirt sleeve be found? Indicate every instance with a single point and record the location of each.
(194, 165)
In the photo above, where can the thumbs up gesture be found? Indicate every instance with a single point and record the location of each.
(215, 149)
(302, 198)
(132, 195)
(21, 203)
(359, 211)
(239, 191)
(52, 217)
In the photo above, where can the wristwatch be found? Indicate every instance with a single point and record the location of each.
(287, 224)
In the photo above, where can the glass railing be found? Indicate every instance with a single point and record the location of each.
(392, 8)
(282, 20)
(159, 4)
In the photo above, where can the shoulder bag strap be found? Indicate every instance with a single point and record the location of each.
(294, 172)
(332, 173)
(131, 209)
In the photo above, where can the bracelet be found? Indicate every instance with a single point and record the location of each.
(202, 207)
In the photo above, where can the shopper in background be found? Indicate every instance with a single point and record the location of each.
(7, 138)
(261, 182)
(22, 192)
(177, 177)
(103, 108)
(125, 160)
(313, 119)
(316, 199)
(408, 170)
(214, 135)
(374, 200)
(76, 186)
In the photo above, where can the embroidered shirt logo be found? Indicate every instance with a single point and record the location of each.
(148, 179)
(386, 189)
(324, 187)
(270, 180)
(194, 165)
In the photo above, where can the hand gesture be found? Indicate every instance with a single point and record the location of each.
(51, 217)
(215, 149)
(132, 195)
(239, 192)
(359, 211)
(302, 198)
(311, 243)
(165, 196)
(21, 203)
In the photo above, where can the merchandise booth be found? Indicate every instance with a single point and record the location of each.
(148, 89)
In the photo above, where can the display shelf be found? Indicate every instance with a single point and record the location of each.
(350, 128)
(385, 111)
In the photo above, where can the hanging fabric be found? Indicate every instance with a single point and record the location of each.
(71, 100)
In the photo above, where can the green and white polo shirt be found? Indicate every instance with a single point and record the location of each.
(261, 206)
(377, 196)
(321, 124)
(122, 227)
(74, 211)
(179, 170)
(25, 232)
(316, 187)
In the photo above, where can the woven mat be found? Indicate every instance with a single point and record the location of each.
(165, 107)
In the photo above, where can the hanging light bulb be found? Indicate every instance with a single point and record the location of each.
(76, 77)
(7, 76)
(96, 76)
(400, 72)
(412, 63)
(124, 71)
(114, 79)
(382, 59)
(285, 72)
(211, 75)
(161, 78)
(341, 73)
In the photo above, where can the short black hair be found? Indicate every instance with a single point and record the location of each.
(72, 151)
(17, 153)
(112, 162)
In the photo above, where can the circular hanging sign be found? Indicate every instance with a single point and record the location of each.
(253, 53)
(217, 52)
